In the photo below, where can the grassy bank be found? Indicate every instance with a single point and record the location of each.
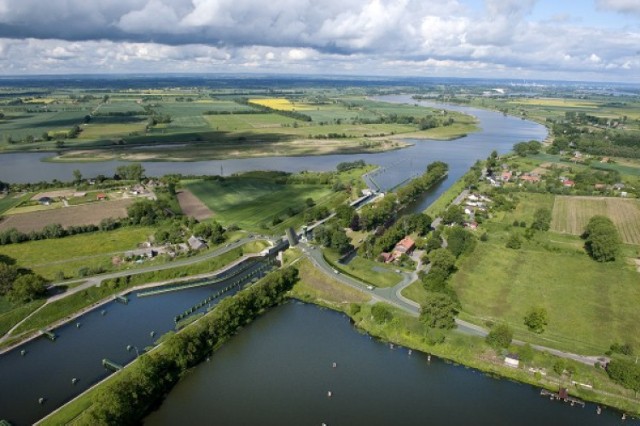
(368, 271)
(471, 351)
(78, 301)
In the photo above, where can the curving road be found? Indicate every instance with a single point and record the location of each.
(393, 296)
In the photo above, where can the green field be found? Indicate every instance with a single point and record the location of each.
(590, 305)
(571, 215)
(252, 203)
(48, 257)
(369, 271)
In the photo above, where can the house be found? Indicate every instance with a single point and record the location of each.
(600, 186)
(506, 176)
(196, 243)
(387, 257)
(406, 245)
(568, 183)
(101, 196)
(45, 201)
(512, 360)
(618, 186)
(530, 178)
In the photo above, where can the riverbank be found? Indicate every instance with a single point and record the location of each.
(12, 343)
(455, 347)
(171, 358)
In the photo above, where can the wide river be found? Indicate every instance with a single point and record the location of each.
(278, 370)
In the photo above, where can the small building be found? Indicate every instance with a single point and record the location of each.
(506, 176)
(530, 178)
(45, 201)
(101, 196)
(600, 186)
(406, 245)
(618, 186)
(568, 183)
(512, 360)
(387, 257)
(196, 243)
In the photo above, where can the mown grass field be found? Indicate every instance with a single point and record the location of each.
(369, 271)
(571, 215)
(590, 305)
(47, 257)
(252, 203)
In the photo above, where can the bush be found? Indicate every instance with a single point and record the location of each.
(500, 336)
(380, 313)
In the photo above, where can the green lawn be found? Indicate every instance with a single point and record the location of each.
(11, 201)
(590, 305)
(47, 257)
(252, 203)
(369, 271)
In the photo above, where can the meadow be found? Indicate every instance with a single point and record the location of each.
(590, 305)
(211, 125)
(252, 203)
(571, 215)
(48, 257)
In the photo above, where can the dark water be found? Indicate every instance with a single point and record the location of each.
(48, 367)
(278, 371)
(498, 132)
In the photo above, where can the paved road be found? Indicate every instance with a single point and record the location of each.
(393, 296)
(97, 279)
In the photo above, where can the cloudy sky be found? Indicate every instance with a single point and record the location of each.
(546, 39)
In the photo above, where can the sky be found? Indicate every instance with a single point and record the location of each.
(590, 40)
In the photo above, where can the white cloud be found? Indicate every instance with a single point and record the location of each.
(353, 36)
(621, 6)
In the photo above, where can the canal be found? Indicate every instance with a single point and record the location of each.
(114, 331)
(47, 369)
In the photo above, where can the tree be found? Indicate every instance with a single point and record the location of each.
(454, 214)
(439, 311)
(77, 176)
(536, 319)
(442, 259)
(8, 274)
(602, 240)
(133, 171)
(541, 219)
(344, 214)
(27, 287)
(380, 313)
(500, 336)
(514, 242)
(460, 241)
(526, 353)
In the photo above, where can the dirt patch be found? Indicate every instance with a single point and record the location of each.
(54, 194)
(192, 206)
(87, 214)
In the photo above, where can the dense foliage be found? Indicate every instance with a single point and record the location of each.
(602, 240)
(499, 336)
(627, 373)
(133, 392)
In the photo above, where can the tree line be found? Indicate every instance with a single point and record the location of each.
(137, 390)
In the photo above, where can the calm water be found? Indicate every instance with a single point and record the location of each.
(278, 371)
(48, 367)
(498, 132)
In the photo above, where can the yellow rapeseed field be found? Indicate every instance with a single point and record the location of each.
(280, 104)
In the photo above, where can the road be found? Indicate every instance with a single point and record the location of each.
(393, 296)
(97, 279)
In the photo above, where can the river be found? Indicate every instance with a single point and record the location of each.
(278, 371)
(47, 368)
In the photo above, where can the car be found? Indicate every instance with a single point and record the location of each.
(336, 271)
(370, 287)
